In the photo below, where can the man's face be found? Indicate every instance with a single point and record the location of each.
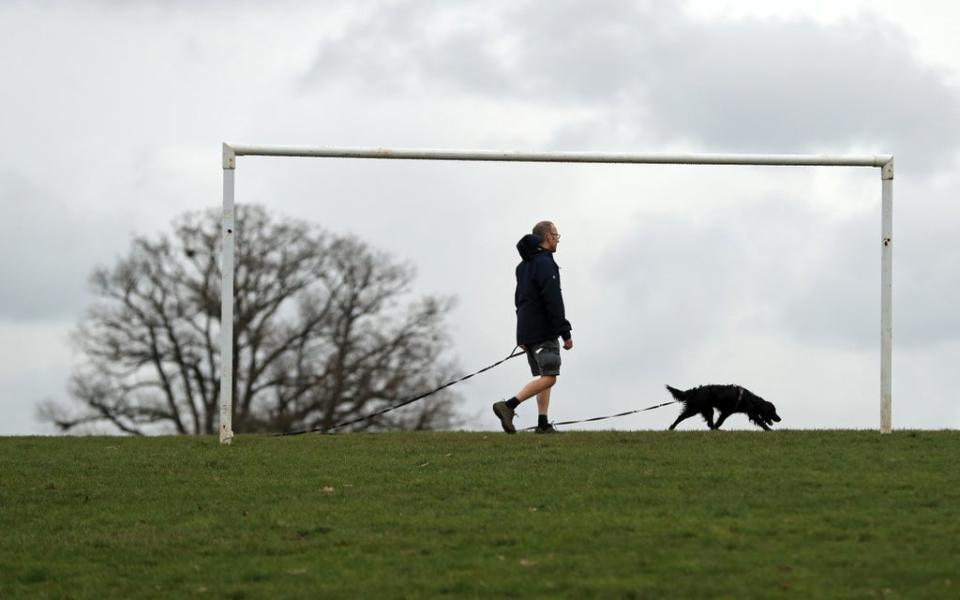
(552, 239)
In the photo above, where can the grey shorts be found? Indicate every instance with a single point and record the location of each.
(544, 358)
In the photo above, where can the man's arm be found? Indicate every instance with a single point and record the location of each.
(548, 280)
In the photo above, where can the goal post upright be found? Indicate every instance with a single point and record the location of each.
(226, 298)
(886, 297)
(231, 151)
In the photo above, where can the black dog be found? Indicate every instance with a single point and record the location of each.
(727, 399)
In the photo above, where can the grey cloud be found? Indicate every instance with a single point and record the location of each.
(773, 265)
(50, 249)
(38, 266)
(833, 297)
(789, 84)
(777, 271)
(926, 263)
(397, 47)
(752, 85)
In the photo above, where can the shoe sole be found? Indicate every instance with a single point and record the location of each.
(505, 423)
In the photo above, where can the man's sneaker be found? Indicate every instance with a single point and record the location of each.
(547, 429)
(505, 414)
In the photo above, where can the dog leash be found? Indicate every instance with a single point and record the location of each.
(623, 414)
(333, 428)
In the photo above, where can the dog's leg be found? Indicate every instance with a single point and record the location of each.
(708, 417)
(723, 417)
(764, 425)
(686, 414)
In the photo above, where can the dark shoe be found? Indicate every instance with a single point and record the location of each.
(505, 414)
(547, 429)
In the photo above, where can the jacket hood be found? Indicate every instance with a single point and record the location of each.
(529, 246)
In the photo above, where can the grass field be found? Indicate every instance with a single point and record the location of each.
(827, 514)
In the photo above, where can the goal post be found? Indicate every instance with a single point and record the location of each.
(231, 151)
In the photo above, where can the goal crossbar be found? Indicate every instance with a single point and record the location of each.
(231, 151)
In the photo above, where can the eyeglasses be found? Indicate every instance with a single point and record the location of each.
(555, 235)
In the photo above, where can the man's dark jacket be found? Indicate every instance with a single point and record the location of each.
(540, 315)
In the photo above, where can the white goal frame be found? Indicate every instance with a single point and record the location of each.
(231, 151)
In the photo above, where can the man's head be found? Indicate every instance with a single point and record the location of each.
(549, 235)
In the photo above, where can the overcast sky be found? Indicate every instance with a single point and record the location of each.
(113, 113)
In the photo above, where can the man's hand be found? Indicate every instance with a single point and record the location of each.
(568, 344)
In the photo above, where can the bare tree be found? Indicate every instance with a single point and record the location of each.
(320, 334)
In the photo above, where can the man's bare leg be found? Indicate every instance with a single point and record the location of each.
(543, 402)
(540, 388)
(536, 387)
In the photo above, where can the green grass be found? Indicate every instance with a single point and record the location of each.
(844, 514)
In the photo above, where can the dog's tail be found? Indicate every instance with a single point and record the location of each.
(677, 394)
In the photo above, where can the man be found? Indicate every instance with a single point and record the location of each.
(540, 321)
